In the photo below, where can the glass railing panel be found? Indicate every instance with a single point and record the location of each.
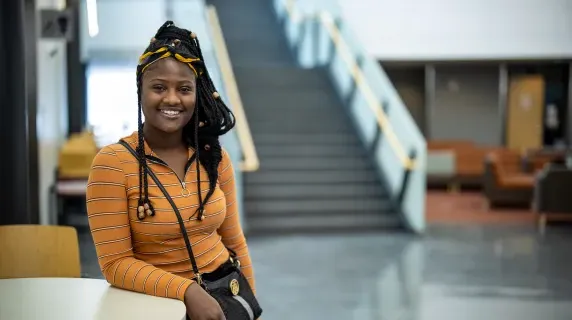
(311, 39)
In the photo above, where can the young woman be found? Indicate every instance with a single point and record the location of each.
(142, 230)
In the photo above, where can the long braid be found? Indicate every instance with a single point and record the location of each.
(140, 144)
(144, 206)
(212, 118)
(200, 210)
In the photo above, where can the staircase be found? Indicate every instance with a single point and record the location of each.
(315, 175)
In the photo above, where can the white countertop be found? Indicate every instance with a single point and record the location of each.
(80, 299)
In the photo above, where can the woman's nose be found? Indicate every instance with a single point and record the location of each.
(171, 98)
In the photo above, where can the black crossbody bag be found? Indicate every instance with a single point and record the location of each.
(231, 290)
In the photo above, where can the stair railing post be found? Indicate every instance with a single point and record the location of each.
(376, 142)
(405, 179)
(354, 91)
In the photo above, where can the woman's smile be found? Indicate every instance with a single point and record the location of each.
(171, 114)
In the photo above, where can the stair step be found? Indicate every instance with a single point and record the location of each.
(258, 51)
(269, 45)
(241, 4)
(277, 78)
(248, 18)
(275, 125)
(296, 86)
(278, 163)
(313, 191)
(245, 14)
(234, 24)
(333, 223)
(257, 112)
(245, 7)
(260, 36)
(266, 62)
(309, 130)
(294, 151)
(324, 176)
(315, 139)
(307, 115)
(291, 100)
(304, 109)
(306, 207)
(258, 57)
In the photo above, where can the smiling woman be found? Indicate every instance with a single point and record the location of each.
(178, 236)
(168, 98)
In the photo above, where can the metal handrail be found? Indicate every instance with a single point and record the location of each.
(327, 20)
(250, 160)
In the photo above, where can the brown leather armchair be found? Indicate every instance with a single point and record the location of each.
(552, 198)
(504, 183)
(536, 160)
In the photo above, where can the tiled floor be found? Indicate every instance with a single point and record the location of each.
(464, 271)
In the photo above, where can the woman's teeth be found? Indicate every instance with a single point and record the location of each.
(170, 112)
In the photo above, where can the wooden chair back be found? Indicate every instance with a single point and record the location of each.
(37, 251)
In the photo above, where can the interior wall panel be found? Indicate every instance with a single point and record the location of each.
(466, 104)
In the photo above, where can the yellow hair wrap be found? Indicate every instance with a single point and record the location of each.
(188, 61)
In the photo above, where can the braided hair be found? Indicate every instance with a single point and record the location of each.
(211, 119)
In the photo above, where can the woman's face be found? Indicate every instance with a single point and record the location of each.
(168, 95)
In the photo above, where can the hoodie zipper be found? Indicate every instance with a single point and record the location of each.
(184, 191)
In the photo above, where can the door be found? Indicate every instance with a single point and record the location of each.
(525, 112)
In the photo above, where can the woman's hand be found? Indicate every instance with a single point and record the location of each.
(200, 305)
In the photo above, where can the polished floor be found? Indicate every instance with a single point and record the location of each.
(473, 264)
(453, 272)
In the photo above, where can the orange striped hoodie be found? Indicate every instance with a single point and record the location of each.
(149, 256)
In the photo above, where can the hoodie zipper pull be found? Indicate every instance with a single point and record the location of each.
(184, 192)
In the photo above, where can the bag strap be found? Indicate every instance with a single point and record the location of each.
(175, 209)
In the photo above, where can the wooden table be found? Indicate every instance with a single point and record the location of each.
(85, 299)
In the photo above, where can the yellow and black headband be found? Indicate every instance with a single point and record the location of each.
(149, 58)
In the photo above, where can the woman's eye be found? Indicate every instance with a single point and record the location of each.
(186, 89)
(158, 88)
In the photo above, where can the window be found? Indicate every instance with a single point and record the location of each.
(111, 101)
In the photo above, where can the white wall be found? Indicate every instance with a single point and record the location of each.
(454, 29)
(52, 109)
(123, 25)
(127, 26)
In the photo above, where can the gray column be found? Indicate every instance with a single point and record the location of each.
(77, 82)
(18, 140)
(430, 78)
(569, 113)
(503, 100)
